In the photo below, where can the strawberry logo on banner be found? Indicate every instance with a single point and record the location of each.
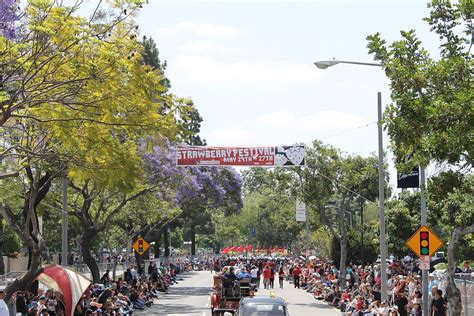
(290, 156)
(270, 156)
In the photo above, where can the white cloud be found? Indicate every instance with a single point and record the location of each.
(318, 121)
(209, 70)
(201, 29)
(230, 137)
(207, 46)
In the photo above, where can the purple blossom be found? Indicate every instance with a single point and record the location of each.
(8, 17)
(189, 187)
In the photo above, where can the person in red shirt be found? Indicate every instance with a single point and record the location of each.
(281, 275)
(296, 276)
(267, 273)
(272, 277)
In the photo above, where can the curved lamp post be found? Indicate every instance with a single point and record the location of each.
(324, 64)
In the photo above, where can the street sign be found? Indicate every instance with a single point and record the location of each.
(141, 246)
(424, 242)
(300, 211)
(411, 180)
(300, 216)
(300, 206)
(424, 262)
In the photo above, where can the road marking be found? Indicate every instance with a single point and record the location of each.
(207, 305)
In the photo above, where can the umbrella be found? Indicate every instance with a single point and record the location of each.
(67, 282)
(312, 257)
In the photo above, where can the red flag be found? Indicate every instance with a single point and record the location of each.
(233, 248)
(249, 248)
(276, 249)
(282, 250)
(241, 249)
(225, 250)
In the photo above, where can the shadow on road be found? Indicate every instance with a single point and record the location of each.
(315, 305)
(164, 309)
(189, 291)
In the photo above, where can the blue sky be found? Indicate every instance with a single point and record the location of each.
(248, 66)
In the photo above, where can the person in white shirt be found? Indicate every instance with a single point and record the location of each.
(3, 306)
(134, 273)
(383, 310)
(254, 276)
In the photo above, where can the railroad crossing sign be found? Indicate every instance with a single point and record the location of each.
(141, 246)
(424, 242)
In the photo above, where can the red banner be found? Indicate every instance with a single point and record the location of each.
(241, 156)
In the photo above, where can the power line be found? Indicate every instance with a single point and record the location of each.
(345, 188)
(349, 130)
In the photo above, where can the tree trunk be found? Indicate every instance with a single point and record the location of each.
(452, 292)
(29, 233)
(166, 242)
(343, 246)
(86, 244)
(114, 269)
(25, 281)
(193, 239)
(157, 247)
(217, 247)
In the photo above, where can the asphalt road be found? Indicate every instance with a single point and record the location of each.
(191, 297)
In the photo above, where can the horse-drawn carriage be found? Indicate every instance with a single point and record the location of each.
(226, 294)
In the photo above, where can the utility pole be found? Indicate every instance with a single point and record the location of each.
(361, 230)
(424, 273)
(169, 236)
(64, 237)
(307, 233)
(383, 245)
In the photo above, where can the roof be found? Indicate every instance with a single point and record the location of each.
(262, 300)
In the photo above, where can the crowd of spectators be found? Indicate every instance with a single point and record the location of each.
(135, 290)
(359, 293)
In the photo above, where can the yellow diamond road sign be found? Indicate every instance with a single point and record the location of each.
(141, 246)
(424, 242)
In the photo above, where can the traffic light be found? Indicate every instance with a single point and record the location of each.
(424, 243)
(140, 246)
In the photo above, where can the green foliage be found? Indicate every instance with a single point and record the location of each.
(321, 241)
(431, 115)
(450, 205)
(12, 244)
(150, 57)
(403, 218)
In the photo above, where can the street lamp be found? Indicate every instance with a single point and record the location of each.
(323, 64)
